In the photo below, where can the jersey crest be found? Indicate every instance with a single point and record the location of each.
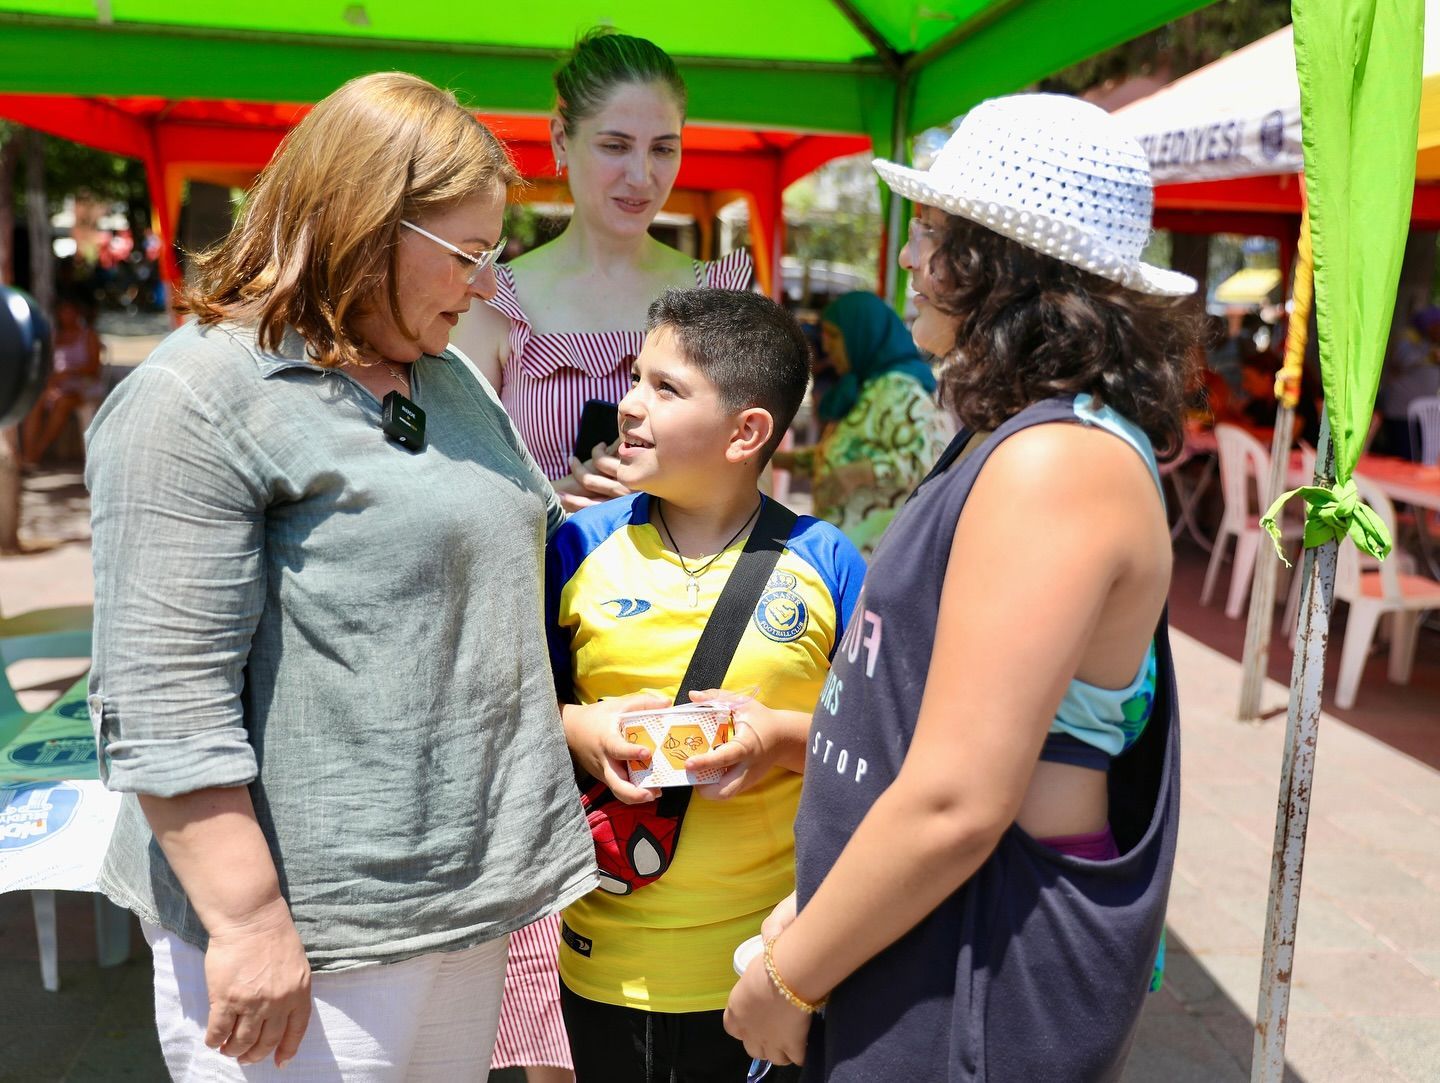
(782, 614)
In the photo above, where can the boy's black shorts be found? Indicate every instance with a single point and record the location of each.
(626, 1045)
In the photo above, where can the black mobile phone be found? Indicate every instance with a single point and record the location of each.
(599, 424)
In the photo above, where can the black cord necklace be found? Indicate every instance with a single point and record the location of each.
(692, 588)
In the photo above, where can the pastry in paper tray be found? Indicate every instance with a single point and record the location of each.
(674, 735)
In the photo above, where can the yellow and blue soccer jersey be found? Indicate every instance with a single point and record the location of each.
(620, 622)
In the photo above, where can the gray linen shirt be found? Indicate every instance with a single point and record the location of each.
(286, 600)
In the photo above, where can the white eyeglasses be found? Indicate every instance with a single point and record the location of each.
(922, 231)
(483, 260)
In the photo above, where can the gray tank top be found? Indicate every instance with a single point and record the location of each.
(1037, 967)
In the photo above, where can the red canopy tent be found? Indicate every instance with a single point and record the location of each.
(228, 142)
(1260, 206)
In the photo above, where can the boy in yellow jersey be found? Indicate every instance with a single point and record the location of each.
(630, 585)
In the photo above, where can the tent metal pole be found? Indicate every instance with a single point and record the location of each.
(1259, 626)
(895, 223)
(1255, 661)
(1302, 730)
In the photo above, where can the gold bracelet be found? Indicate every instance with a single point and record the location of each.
(783, 989)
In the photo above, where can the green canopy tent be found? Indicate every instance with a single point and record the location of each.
(883, 69)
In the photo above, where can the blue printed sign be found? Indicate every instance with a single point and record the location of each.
(31, 814)
(54, 752)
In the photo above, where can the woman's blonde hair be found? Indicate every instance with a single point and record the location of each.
(317, 242)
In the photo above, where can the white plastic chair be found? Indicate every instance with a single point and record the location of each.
(1244, 471)
(1404, 561)
(1375, 594)
(1424, 415)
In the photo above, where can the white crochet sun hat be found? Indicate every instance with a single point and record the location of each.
(1055, 174)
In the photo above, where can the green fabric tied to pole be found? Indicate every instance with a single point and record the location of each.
(1359, 67)
(1331, 515)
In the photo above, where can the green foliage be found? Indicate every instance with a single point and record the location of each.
(833, 216)
(1179, 47)
(527, 226)
(74, 169)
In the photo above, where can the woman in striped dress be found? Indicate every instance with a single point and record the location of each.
(567, 317)
(563, 326)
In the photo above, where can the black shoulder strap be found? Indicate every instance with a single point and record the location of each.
(738, 599)
(726, 625)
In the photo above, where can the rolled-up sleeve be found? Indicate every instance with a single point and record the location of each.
(178, 525)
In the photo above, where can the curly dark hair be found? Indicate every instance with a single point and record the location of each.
(1032, 327)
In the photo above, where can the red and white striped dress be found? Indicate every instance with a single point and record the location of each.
(546, 383)
(549, 377)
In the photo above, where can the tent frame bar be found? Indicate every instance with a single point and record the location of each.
(895, 222)
(959, 35)
(854, 67)
(892, 60)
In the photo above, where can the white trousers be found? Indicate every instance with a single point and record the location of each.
(430, 1020)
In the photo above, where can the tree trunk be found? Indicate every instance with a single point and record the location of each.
(137, 201)
(207, 220)
(9, 444)
(42, 287)
(37, 219)
(10, 490)
(1190, 254)
(9, 155)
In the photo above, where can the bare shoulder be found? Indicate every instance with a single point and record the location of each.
(673, 258)
(1048, 461)
(482, 335)
(533, 260)
(483, 327)
(1066, 507)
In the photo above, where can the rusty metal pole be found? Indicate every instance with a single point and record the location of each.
(1302, 730)
(1255, 659)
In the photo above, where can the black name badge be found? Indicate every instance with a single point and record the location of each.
(403, 422)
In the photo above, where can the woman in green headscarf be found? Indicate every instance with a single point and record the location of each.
(883, 428)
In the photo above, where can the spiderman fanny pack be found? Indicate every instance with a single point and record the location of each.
(634, 844)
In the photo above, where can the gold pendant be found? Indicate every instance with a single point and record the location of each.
(692, 592)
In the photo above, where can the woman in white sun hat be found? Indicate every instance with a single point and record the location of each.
(988, 825)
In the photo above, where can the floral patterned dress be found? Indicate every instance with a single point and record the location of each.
(867, 465)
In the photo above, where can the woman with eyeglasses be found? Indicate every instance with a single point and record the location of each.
(319, 671)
